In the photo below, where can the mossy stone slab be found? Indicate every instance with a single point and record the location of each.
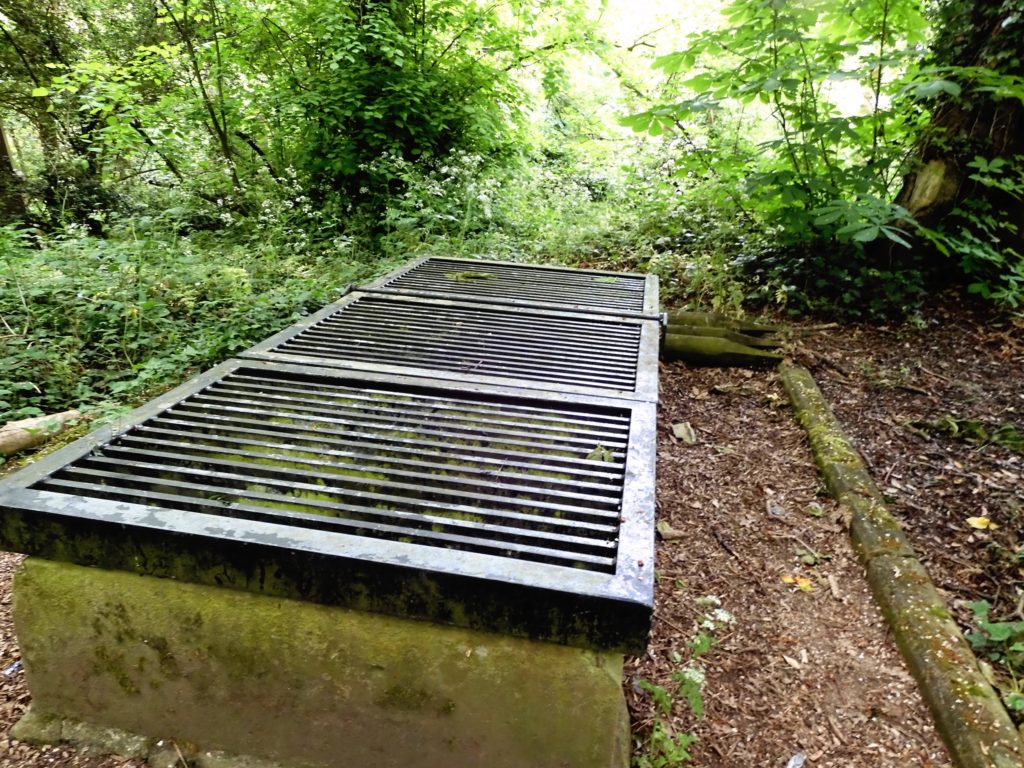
(304, 684)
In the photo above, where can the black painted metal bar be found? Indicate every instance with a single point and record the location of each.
(515, 284)
(473, 342)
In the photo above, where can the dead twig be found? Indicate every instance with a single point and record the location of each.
(935, 375)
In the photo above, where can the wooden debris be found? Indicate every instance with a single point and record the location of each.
(705, 350)
(763, 342)
(23, 435)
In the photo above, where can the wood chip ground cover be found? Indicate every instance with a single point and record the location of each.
(812, 672)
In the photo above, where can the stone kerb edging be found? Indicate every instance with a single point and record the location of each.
(970, 717)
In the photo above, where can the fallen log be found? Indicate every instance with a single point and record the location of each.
(762, 342)
(968, 712)
(31, 433)
(716, 320)
(712, 350)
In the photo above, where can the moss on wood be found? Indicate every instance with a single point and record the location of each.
(967, 711)
(710, 350)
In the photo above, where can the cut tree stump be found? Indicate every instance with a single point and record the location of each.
(31, 433)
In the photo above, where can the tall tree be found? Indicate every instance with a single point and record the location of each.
(12, 204)
(969, 175)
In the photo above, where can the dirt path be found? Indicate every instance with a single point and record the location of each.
(812, 672)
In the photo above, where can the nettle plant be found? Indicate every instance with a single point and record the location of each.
(666, 745)
(1001, 642)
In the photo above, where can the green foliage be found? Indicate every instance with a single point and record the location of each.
(976, 231)
(665, 744)
(975, 431)
(766, 131)
(90, 320)
(1002, 642)
(398, 78)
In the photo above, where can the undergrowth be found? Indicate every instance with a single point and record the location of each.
(90, 322)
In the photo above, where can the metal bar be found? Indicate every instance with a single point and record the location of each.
(414, 372)
(559, 319)
(518, 303)
(576, 293)
(496, 263)
(185, 450)
(566, 421)
(447, 362)
(587, 411)
(500, 457)
(621, 345)
(581, 532)
(497, 351)
(374, 407)
(359, 527)
(286, 410)
(162, 436)
(513, 503)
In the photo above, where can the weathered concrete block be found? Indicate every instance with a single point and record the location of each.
(304, 684)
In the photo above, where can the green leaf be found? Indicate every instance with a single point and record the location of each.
(828, 218)
(867, 234)
(674, 62)
(933, 88)
(40, 92)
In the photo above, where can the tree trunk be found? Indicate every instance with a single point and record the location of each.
(989, 34)
(12, 204)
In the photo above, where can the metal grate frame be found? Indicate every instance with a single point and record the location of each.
(543, 349)
(509, 283)
(472, 504)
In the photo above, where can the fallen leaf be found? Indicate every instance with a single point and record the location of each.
(600, 453)
(800, 582)
(792, 662)
(668, 533)
(814, 509)
(982, 523)
(608, 279)
(684, 432)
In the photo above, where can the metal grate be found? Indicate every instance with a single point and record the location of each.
(498, 282)
(484, 343)
(550, 498)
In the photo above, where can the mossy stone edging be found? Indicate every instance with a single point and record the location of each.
(975, 726)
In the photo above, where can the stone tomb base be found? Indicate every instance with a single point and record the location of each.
(134, 664)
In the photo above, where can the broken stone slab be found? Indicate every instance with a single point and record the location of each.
(300, 684)
(718, 320)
